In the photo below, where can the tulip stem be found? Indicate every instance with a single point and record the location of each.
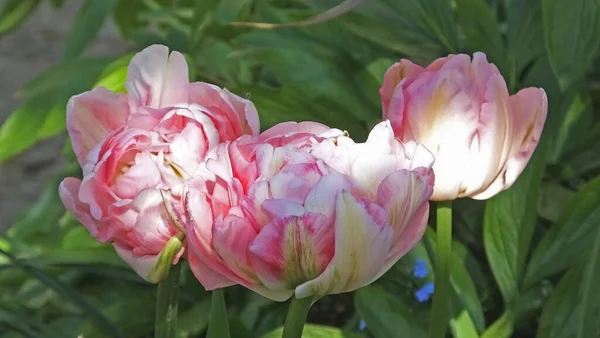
(439, 313)
(218, 326)
(165, 325)
(296, 317)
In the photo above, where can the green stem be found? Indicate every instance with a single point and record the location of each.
(166, 304)
(218, 326)
(296, 317)
(439, 313)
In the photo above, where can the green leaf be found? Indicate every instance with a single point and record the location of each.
(114, 75)
(43, 113)
(590, 301)
(561, 312)
(571, 239)
(195, 320)
(572, 38)
(435, 16)
(465, 293)
(317, 331)
(86, 26)
(501, 328)
(462, 326)
(384, 314)
(525, 35)
(68, 294)
(572, 130)
(509, 221)
(481, 30)
(14, 12)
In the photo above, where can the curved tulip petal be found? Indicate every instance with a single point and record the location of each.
(232, 114)
(460, 109)
(322, 197)
(405, 196)
(529, 108)
(393, 76)
(152, 268)
(292, 250)
(69, 192)
(91, 116)
(157, 80)
(361, 248)
(207, 276)
(231, 238)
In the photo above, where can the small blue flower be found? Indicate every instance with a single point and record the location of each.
(424, 293)
(362, 325)
(420, 270)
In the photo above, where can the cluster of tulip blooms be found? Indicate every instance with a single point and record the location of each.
(176, 170)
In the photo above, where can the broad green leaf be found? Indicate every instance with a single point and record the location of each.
(384, 314)
(86, 26)
(572, 130)
(41, 216)
(195, 320)
(317, 331)
(14, 12)
(43, 113)
(525, 33)
(571, 239)
(114, 75)
(462, 284)
(481, 30)
(501, 328)
(560, 315)
(590, 300)
(553, 198)
(509, 221)
(435, 16)
(462, 326)
(572, 37)
(21, 129)
(584, 159)
(120, 313)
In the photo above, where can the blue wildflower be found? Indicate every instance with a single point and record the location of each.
(424, 293)
(362, 325)
(420, 270)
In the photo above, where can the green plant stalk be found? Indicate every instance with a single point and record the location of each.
(439, 312)
(218, 326)
(296, 317)
(165, 325)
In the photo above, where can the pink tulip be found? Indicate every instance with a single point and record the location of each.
(317, 215)
(138, 151)
(460, 109)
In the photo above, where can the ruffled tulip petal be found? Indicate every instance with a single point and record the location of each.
(207, 276)
(361, 248)
(91, 116)
(232, 114)
(292, 250)
(69, 192)
(157, 80)
(394, 75)
(322, 197)
(231, 237)
(405, 196)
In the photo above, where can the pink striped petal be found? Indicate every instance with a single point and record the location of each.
(361, 248)
(292, 250)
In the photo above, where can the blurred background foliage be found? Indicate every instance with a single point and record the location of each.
(525, 263)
